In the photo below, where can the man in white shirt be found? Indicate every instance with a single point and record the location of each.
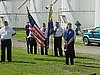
(58, 32)
(6, 33)
(44, 31)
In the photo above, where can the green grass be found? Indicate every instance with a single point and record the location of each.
(20, 34)
(30, 64)
(79, 42)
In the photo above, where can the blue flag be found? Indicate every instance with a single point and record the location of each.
(50, 26)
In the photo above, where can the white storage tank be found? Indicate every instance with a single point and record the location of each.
(7, 8)
(16, 17)
(70, 10)
(80, 10)
(40, 13)
(97, 13)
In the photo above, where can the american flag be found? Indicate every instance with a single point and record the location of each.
(35, 30)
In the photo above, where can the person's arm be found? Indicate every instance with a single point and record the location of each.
(1, 31)
(26, 27)
(62, 30)
(69, 41)
(14, 34)
(65, 35)
(72, 38)
(55, 30)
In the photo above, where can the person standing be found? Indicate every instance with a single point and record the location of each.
(44, 31)
(69, 38)
(58, 32)
(32, 43)
(27, 29)
(27, 34)
(6, 33)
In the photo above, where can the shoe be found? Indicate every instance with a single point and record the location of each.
(93, 74)
(61, 55)
(56, 55)
(2, 61)
(46, 54)
(9, 60)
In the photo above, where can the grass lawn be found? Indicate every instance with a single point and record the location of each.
(30, 64)
(20, 34)
(80, 41)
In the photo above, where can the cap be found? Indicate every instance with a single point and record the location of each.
(57, 22)
(43, 25)
(69, 23)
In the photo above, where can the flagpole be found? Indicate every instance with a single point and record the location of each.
(51, 38)
(50, 23)
(52, 41)
(50, 28)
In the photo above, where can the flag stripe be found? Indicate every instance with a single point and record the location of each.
(39, 32)
(41, 43)
(35, 31)
(32, 32)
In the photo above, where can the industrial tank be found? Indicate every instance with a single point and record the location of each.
(64, 11)
(97, 13)
(16, 17)
(80, 10)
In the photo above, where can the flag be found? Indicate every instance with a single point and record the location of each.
(50, 25)
(35, 31)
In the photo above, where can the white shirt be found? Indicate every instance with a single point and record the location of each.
(59, 32)
(6, 32)
(44, 32)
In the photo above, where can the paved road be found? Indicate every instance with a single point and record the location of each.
(94, 49)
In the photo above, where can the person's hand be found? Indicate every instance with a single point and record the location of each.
(56, 29)
(13, 34)
(47, 47)
(66, 44)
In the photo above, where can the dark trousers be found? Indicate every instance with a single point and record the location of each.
(42, 49)
(33, 43)
(71, 59)
(6, 44)
(28, 44)
(70, 53)
(58, 45)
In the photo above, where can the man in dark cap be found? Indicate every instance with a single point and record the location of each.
(27, 34)
(58, 32)
(69, 38)
(44, 31)
(31, 42)
(6, 33)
